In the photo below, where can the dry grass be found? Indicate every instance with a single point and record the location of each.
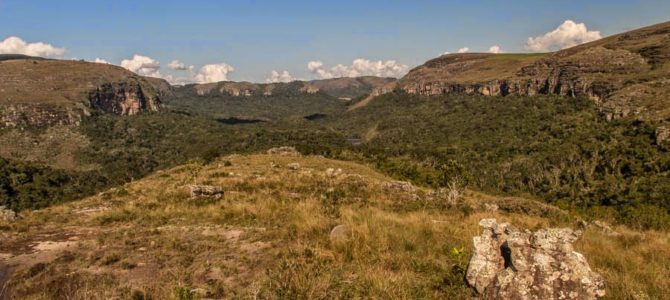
(269, 238)
(54, 82)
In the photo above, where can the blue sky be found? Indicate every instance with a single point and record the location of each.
(256, 37)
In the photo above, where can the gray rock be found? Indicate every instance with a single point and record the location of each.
(294, 166)
(513, 264)
(490, 207)
(605, 228)
(402, 186)
(206, 190)
(286, 151)
(340, 233)
(7, 214)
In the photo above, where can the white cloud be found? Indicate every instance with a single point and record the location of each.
(15, 45)
(464, 50)
(495, 49)
(445, 53)
(359, 67)
(179, 66)
(566, 35)
(142, 65)
(275, 77)
(100, 61)
(213, 73)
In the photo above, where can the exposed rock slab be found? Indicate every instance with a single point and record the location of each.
(512, 264)
(206, 191)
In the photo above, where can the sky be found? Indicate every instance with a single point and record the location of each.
(263, 41)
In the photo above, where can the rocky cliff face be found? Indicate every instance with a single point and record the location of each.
(594, 73)
(35, 115)
(124, 98)
(342, 88)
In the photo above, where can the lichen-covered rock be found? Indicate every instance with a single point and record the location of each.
(7, 214)
(206, 190)
(401, 186)
(285, 151)
(512, 264)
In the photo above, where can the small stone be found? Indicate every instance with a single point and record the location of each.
(294, 166)
(284, 151)
(206, 190)
(340, 233)
(490, 207)
(605, 228)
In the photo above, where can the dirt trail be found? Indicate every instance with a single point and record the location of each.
(4, 276)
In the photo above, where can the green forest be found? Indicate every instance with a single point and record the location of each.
(558, 150)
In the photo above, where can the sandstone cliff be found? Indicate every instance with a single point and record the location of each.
(42, 92)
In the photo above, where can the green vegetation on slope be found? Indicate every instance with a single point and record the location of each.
(557, 149)
(554, 148)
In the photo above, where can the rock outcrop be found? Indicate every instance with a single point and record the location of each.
(509, 263)
(7, 214)
(206, 191)
(123, 98)
(284, 150)
(40, 115)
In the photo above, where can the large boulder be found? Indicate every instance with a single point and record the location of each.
(512, 264)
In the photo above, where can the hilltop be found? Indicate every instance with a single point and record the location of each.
(626, 74)
(269, 236)
(38, 92)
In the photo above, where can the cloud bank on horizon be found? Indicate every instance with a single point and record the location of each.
(16, 45)
(567, 34)
(359, 67)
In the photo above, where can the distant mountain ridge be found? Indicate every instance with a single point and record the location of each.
(345, 88)
(626, 74)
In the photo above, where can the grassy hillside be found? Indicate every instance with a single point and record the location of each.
(269, 237)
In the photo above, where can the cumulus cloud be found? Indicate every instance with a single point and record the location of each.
(15, 45)
(495, 49)
(359, 67)
(464, 50)
(275, 77)
(566, 35)
(100, 61)
(142, 65)
(213, 73)
(179, 66)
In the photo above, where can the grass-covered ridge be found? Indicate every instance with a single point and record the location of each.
(268, 237)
